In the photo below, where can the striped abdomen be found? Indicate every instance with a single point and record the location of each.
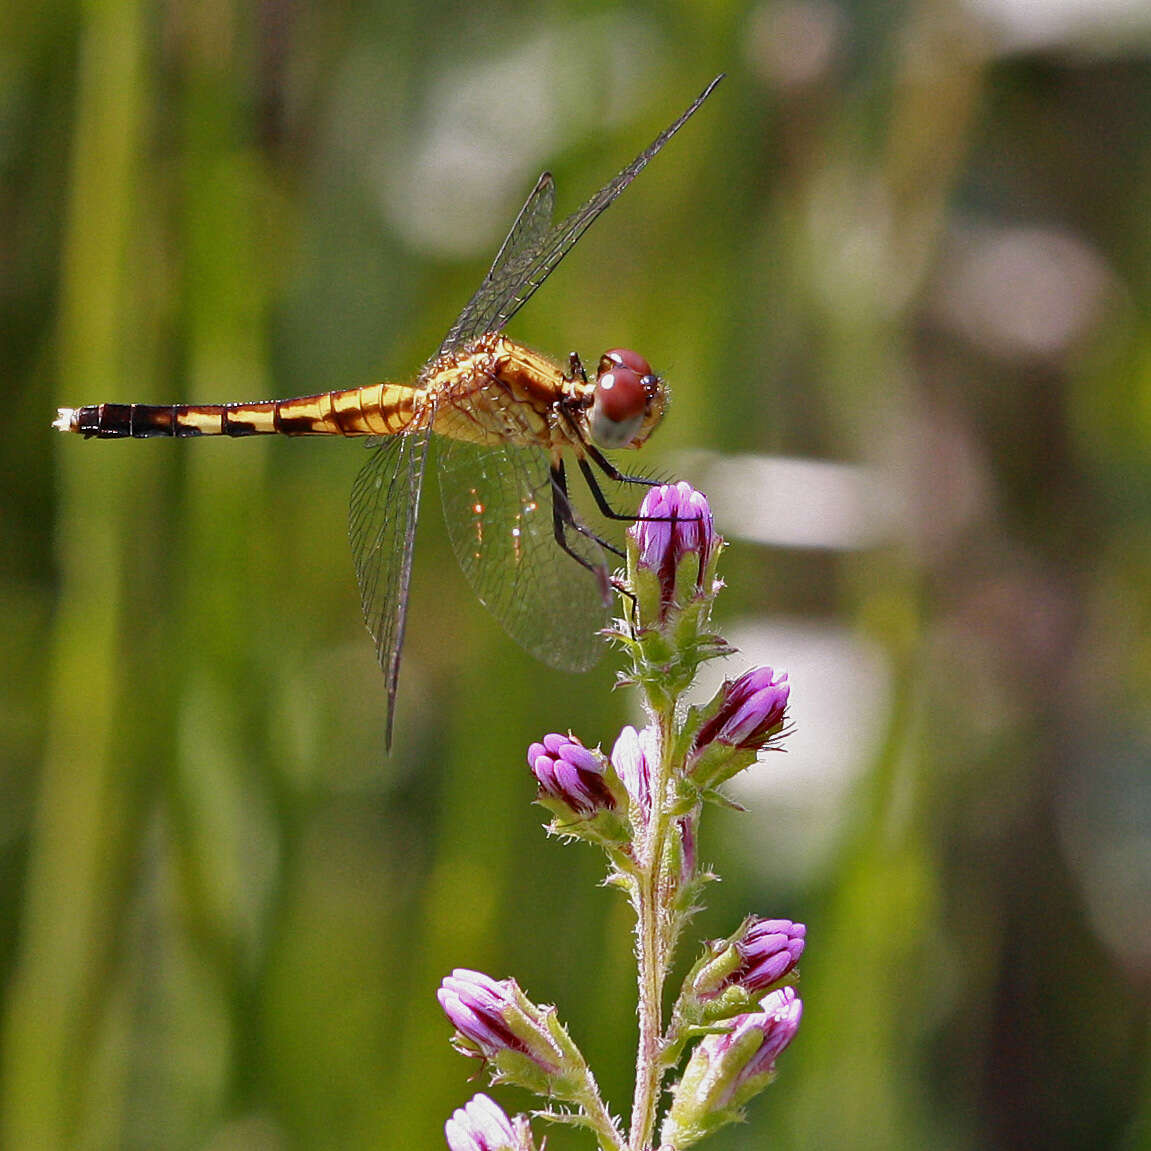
(377, 410)
(492, 391)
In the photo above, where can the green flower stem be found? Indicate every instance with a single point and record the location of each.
(594, 1115)
(600, 1121)
(650, 1021)
(656, 931)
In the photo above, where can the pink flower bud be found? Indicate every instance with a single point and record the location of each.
(774, 1026)
(492, 1016)
(632, 758)
(482, 1125)
(567, 771)
(674, 527)
(728, 1069)
(751, 711)
(770, 949)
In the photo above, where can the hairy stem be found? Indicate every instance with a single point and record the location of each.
(600, 1120)
(655, 938)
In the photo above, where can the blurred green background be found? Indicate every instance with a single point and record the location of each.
(897, 272)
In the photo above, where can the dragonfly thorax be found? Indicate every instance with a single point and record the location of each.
(629, 400)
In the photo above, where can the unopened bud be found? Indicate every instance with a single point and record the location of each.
(567, 771)
(671, 545)
(632, 757)
(733, 974)
(581, 788)
(483, 1125)
(745, 717)
(727, 1070)
(524, 1043)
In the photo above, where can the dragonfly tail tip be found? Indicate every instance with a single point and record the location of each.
(65, 420)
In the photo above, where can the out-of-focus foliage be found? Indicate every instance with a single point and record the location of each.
(898, 273)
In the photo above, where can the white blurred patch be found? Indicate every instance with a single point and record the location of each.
(787, 502)
(795, 44)
(490, 127)
(1022, 293)
(838, 709)
(1097, 25)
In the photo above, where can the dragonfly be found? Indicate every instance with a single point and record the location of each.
(499, 421)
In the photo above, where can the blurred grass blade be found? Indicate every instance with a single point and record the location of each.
(74, 891)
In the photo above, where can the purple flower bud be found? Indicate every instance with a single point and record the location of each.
(569, 772)
(751, 711)
(728, 1069)
(674, 523)
(769, 949)
(674, 520)
(482, 1125)
(733, 973)
(632, 758)
(521, 1042)
(481, 1009)
(774, 1026)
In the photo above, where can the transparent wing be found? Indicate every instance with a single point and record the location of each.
(534, 246)
(382, 526)
(498, 509)
(529, 232)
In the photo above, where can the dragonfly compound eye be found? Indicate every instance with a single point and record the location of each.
(623, 358)
(626, 390)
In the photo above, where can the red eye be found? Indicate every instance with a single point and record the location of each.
(623, 358)
(620, 395)
(624, 388)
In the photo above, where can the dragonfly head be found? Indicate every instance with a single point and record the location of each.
(629, 400)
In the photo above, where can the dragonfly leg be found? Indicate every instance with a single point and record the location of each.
(575, 367)
(621, 586)
(563, 518)
(612, 473)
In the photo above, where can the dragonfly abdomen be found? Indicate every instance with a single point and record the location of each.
(376, 410)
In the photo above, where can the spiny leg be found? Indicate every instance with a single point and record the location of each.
(620, 585)
(612, 473)
(563, 517)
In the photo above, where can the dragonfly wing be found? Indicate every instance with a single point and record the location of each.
(529, 232)
(535, 246)
(498, 508)
(382, 526)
